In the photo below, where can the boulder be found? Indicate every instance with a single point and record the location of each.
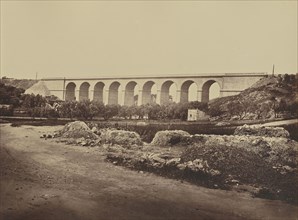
(171, 138)
(77, 129)
(259, 130)
(121, 137)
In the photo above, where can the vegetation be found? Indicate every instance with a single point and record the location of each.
(18, 83)
(10, 95)
(51, 107)
(272, 97)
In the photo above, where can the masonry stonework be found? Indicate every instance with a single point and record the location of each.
(138, 90)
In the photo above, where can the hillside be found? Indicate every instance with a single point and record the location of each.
(19, 83)
(271, 97)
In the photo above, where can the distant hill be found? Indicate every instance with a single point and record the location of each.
(19, 83)
(273, 96)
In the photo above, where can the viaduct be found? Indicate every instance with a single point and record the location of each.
(124, 90)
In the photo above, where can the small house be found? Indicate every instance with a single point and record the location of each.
(196, 115)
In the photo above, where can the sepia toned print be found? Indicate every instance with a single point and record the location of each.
(148, 110)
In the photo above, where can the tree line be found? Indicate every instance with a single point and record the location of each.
(51, 107)
(89, 110)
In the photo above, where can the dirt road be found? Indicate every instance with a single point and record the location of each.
(41, 179)
(281, 123)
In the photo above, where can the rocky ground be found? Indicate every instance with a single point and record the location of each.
(258, 159)
(43, 179)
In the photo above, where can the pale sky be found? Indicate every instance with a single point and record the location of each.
(118, 38)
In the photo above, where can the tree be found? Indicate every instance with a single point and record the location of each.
(181, 111)
(215, 111)
(292, 108)
(199, 105)
(10, 95)
(239, 108)
(67, 109)
(86, 109)
(97, 109)
(123, 112)
(153, 111)
(281, 107)
(32, 101)
(141, 111)
(111, 111)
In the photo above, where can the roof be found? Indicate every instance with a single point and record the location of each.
(39, 88)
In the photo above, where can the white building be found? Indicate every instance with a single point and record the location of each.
(195, 115)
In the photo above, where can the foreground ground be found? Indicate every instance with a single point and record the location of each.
(41, 179)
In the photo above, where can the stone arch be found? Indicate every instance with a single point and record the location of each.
(165, 92)
(113, 93)
(147, 94)
(184, 96)
(206, 89)
(84, 91)
(98, 92)
(129, 98)
(70, 93)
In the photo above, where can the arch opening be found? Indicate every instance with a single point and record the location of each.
(165, 96)
(70, 92)
(189, 91)
(129, 96)
(84, 91)
(173, 93)
(113, 93)
(210, 90)
(214, 91)
(98, 92)
(149, 92)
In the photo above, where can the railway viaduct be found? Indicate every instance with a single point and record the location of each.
(124, 90)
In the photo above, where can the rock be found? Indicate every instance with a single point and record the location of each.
(77, 129)
(173, 162)
(285, 169)
(201, 163)
(214, 172)
(156, 158)
(80, 140)
(288, 168)
(259, 130)
(94, 130)
(181, 166)
(121, 137)
(84, 143)
(171, 138)
(198, 165)
(198, 138)
(157, 165)
(234, 181)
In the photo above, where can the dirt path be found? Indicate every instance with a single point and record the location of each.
(281, 123)
(41, 179)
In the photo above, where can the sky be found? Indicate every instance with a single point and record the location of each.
(143, 38)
